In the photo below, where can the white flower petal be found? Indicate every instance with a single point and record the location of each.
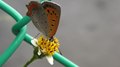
(34, 42)
(39, 52)
(50, 59)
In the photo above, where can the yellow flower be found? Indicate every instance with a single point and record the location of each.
(47, 47)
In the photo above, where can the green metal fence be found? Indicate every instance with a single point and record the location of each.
(19, 29)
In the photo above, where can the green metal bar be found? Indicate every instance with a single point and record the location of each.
(8, 9)
(64, 61)
(12, 47)
(13, 13)
(19, 38)
(15, 29)
(20, 24)
(21, 34)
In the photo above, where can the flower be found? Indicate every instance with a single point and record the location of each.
(46, 47)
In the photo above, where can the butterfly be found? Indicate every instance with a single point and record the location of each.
(45, 17)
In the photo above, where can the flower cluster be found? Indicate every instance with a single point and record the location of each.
(46, 47)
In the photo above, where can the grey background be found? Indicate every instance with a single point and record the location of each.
(89, 33)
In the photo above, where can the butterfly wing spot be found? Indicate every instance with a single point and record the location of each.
(53, 20)
(48, 11)
(53, 12)
(50, 29)
(52, 25)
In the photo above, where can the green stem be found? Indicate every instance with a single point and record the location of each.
(31, 60)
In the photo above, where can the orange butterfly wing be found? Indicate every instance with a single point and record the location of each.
(53, 14)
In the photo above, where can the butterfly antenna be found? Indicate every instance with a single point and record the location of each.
(60, 51)
(37, 35)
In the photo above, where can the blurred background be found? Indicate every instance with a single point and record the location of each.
(89, 33)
